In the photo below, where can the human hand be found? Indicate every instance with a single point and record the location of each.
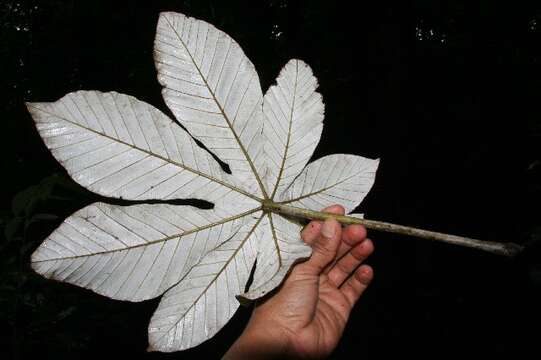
(305, 318)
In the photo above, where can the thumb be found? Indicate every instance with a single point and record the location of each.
(325, 247)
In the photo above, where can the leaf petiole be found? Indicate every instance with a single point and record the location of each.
(507, 249)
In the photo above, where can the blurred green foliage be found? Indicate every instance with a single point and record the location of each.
(31, 310)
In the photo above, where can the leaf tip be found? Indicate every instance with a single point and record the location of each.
(36, 257)
(35, 108)
(244, 299)
(168, 15)
(30, 106)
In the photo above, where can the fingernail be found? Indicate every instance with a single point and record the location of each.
(328, 230)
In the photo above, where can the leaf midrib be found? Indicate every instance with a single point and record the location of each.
(168, 160)
(275, 238)
(286, 150)
(157, 241)
(235, 252)
(316, 192)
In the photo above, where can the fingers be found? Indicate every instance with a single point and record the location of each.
(351, 236)
(344, 267)
(311, 232)
(324, 248)
(354, 287)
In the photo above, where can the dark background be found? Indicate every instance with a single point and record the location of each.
(444, 92)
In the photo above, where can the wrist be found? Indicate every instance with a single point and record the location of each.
(260, 342)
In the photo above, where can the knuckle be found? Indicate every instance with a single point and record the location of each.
(323, 246)
(343, 267)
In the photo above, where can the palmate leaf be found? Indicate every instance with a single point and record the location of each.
(200, 260)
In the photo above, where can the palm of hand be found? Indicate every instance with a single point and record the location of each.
(311, 309)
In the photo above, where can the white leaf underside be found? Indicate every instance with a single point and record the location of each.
(118, 146)
(207, 292)
(295, 111)
(280, 247)
(213, 90)
(333, 179)
(132, 252)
